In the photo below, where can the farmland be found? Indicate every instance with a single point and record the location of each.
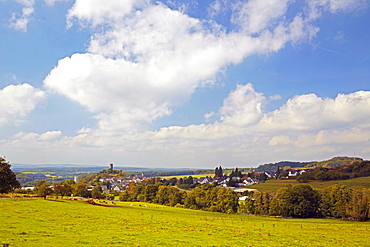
(77, 223)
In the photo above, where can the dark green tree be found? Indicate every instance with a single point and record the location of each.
(216, 172)
(96, 193)
(62, 189)
(43, 188)
(8, 180)
(80, 189)
(278, 172)
(335, 200)
(295, 201)
(262, 203)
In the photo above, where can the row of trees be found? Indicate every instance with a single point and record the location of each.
(65, 188)
(302, 201)
(203, 197)
(356, 169)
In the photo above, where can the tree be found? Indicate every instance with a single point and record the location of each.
(80, 189)
(295, 201)
(62, 189)
(335, 200)
(216, 172)
(43, 188)
(262, 203)
(96, 193)
(8, 180)
(278, 172)
(359, 205)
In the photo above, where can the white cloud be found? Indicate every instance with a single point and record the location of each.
(255, 15)
(52, 2)
(317, 7)
(17, 101)
(96, 12)
(242, 107)
(310, 112)
(277, 140)
(20, 21)
(144, 58)
(146, 61)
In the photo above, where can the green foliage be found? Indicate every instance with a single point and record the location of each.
(262, 203)
(333, 162)
(8, 180)
(62, 189)
(43, 188)
(219, 172)
(334, 201)
(96, 193)
(80, 189)
(296, 201)
(356, 169)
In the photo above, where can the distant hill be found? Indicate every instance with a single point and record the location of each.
(333, 162)
(272, 167)
(73, 169)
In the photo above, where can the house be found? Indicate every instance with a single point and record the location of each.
(205, 180)
(116, 188)
(293, 173)
(270, 174)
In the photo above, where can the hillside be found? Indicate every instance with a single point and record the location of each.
(333, 162)
(272, 167)
(76, 223)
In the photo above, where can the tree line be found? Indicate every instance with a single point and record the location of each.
(203, 197)
(356, 169)
(301, 201)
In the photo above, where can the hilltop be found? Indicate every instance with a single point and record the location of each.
(333, 162)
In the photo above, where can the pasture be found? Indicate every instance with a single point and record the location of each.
(77, 223)
(273, 185)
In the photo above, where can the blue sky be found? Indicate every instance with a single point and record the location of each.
(183, 83)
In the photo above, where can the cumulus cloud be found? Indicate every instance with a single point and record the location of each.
(143, 59)
(17, 101)
(310, 112)
(242, 107)
(149, 58)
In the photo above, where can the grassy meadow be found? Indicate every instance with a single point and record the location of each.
(273, 185)
(76, 223)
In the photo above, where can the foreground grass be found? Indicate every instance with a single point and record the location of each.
(273, 184)
(76, 223)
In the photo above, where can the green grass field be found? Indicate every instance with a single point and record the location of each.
(77, 223)
(273, 184)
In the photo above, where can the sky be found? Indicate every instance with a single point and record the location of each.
(184, 84)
